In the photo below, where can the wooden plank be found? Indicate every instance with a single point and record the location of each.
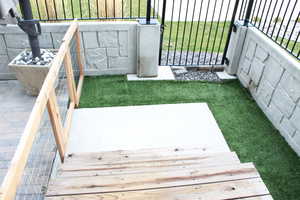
(150, 162)
(56, 122)
(129, 155)
(126, 182)
(237, 189)
(141, 170)
(80, 63)
(78, 52)
(68, 121)
(79, 88)
(70, 32)
(70, 77)
(265, 197)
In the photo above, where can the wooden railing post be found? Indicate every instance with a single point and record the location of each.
(80, 64)
(56, 122)
(70, 77)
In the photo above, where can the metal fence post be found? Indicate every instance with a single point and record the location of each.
(230, 30)
(148, 14)
(162, 29)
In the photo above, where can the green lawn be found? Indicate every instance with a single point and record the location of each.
(214, 39)
(245, 127)
(185, 35)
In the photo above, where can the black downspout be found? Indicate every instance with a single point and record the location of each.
(29, 26)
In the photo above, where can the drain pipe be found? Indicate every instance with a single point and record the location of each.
(32, 28)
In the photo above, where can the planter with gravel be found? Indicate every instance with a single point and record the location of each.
(31, 72)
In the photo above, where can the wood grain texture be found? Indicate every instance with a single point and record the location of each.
(125, 182)
(215, 191)
(56, 123)
(141, 163)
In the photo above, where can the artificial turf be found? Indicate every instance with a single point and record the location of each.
(245, 127)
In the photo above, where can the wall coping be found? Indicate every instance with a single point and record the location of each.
(290, 63)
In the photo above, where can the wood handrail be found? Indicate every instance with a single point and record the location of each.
(46, 98)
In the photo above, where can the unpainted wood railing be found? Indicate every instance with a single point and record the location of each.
(47, 100)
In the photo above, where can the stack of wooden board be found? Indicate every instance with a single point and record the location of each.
(160, 174)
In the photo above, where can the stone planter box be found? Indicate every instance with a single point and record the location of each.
(30, 76)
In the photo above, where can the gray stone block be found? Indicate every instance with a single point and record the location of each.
(291, 85)
(264, 93)
(250, 49)
(261, 54)
(46, 41)
(113, 52)
(286, 127)
(12, 53)
(17, 41)
(96, 58)
(244, 78)
(3, 64)
(245, 65)
(295, 119)
(90, 39)
(297, 140)
(283, 101)
(256, 71)
(108, 39)
(2, 45)
(21, 40)
(123, 42)
(274, 114)
(273, 71)
(57, 39)
(118, 62)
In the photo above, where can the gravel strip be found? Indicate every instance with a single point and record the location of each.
(190, 74)
(190, 58)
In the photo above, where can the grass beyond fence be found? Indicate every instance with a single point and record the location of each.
(190, 40)
(245, 127)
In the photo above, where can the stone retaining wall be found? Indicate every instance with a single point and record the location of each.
(108, 47)
(273, 77)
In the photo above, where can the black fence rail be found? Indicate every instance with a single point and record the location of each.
(278, 19)
(194, 32)
(62, 10)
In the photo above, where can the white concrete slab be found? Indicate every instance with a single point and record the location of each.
(164, 73)
(139, 127)
(224, 76)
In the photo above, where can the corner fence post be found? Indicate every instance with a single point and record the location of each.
(148, 14)
(230, 30)
(248, 12)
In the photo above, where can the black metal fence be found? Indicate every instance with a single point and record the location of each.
(194, 32)
(278, 19)
(61, 10)
(197, 32)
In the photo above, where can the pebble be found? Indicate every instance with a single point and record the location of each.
(196, 75)
(26, 58)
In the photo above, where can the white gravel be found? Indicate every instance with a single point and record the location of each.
(193, 74)
(26, 58)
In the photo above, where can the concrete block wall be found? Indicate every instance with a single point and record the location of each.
(108, 47)
(273, 77)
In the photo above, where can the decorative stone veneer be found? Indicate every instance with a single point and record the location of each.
(273, 78)
(108, 47)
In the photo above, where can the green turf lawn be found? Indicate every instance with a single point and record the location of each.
(245, 127)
